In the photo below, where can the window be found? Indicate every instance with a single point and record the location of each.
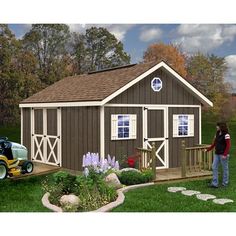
(183, 125)
(123, 126)
(156, 84)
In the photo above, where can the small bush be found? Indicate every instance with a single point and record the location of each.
(133, 177)
(66, 180)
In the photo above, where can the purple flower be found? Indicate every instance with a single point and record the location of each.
(117, 167)
(109, 159)
(113, 162)
(86, 172)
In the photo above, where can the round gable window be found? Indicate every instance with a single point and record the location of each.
(156, 84)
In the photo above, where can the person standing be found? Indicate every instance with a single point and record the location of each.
(222, 146)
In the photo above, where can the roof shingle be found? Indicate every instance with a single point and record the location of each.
(89, 87)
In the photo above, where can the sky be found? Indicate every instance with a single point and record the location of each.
(219, 39)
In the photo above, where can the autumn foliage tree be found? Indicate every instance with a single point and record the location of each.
(168, 53)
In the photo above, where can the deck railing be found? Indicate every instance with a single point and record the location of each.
(195, 159)
(147, 158)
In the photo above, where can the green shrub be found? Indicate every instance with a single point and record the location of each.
(134, 177)
(66, 180)
(92, 199)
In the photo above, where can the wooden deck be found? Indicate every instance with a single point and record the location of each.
(175, 174)
(39, 169)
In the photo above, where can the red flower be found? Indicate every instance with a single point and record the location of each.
(131, 162)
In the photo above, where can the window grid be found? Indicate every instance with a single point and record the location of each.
(183, 125)
(123, 126)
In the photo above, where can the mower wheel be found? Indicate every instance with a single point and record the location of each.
(3, 170)
(27, 167)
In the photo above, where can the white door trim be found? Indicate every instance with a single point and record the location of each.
(164, 139)
(21, 126)
(200, 124)
(102, 133)
(46, 139)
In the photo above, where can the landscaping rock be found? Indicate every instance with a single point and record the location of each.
(205, 197)
(222, 201)
(129, 169)
(175, 189)
(70, 200)
(113, 180)
(190, 192)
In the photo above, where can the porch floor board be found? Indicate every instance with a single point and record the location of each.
(39, 169)
(175, 174)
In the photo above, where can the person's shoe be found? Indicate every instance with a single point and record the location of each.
(212, 186)
(224, 185)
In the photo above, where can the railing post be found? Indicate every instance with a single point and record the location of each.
(153, 157)
(183, 159)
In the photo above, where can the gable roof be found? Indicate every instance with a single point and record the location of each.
(102, 86)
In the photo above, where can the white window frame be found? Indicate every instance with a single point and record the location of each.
(156, 78)
(190, 126)
(132, 127)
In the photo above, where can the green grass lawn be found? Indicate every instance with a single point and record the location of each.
(25, 195)
(157, 199)
(22, 195)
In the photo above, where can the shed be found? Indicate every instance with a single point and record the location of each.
(113, 112)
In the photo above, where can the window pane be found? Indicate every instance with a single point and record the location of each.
(120, 135)
(120, 130)
(126, 135)
(126, 129)
(126, 120)
(183, 130)
(183, 120)
(120, 121)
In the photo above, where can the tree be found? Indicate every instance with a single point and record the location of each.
(97, 49)
(168, 53)
(206, 73)
(17, 75)
(47, 42)
(8, 76)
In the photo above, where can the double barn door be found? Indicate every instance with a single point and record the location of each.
(46, 135)
(155, 129)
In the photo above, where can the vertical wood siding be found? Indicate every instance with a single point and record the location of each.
(26, 130)
(52, 121)
(175, 143)
(121, 148)
(172, 92)
(80, 134)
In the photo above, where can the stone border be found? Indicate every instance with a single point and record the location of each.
(120, 199)
(47, 204)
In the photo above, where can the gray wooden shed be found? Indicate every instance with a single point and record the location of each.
(112, 112)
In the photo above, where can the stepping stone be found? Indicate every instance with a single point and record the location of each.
(176, 189)
(190, 192)
(222, 201)
(205, 197)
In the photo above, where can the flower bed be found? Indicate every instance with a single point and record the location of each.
(120, 199)
(95, 188)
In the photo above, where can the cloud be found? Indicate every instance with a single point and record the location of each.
(150, 34)
(203, 37)
(119, 30)
(231, 72)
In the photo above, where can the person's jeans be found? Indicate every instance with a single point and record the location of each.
(224, 162)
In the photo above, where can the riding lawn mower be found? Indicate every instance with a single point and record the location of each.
(13, 159)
